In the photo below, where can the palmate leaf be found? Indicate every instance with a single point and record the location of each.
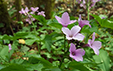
(103, 59)
(104, 22)
(48, 42)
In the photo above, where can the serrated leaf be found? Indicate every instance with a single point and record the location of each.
(48, 42)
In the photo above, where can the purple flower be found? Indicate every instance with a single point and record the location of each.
(83, 5)
(34, 9)
(73, 33)
(95, 45)
(76, 54)
(83, 22)
(65, 20)
(103, 18)
(9, 46)
(25, 12)
(41, 13)
(78, 1)
(29, 20)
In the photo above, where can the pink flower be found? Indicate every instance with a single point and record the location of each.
(34, 9)
(73, 33)
(78, 1)
(9, 47)
(25, 12)
(83, 22)
(41, 13)
(65, 19)
(29, 20)
(76, 54)
(95, 45)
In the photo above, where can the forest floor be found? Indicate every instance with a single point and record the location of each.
(104, 8)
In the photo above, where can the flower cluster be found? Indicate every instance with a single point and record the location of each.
(83, 3)
(33, 11)
(74, 34)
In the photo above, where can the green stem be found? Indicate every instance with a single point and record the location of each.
(64, 52)
(64, 43)
(34, 27)
(88, 10)
(38, 48)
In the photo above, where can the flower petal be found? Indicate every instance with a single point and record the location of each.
(65, 18)
(77, 57)
(72, 48)
(80, 52)
(72, 21)
(84, 22)
(69, 38)
(75, 30)
(93, 37)
(34, 9)
(66, 31)
(78, 37)
(89, 42)
(79, 18)
(96, 46)
(58, 19)
(9, 46)
(26, 10)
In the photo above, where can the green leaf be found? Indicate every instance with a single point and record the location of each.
(2, 66)
(52, 69)
(7, 37)
(78, 65)
(104, 59)
(4, 51)
(29, 41)
(20, 35)
(48, 42)
(40, 18)
(24, 49)
(56, 25)
(33, 67)
(14, 67)
(36, 58)
(104, 22)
